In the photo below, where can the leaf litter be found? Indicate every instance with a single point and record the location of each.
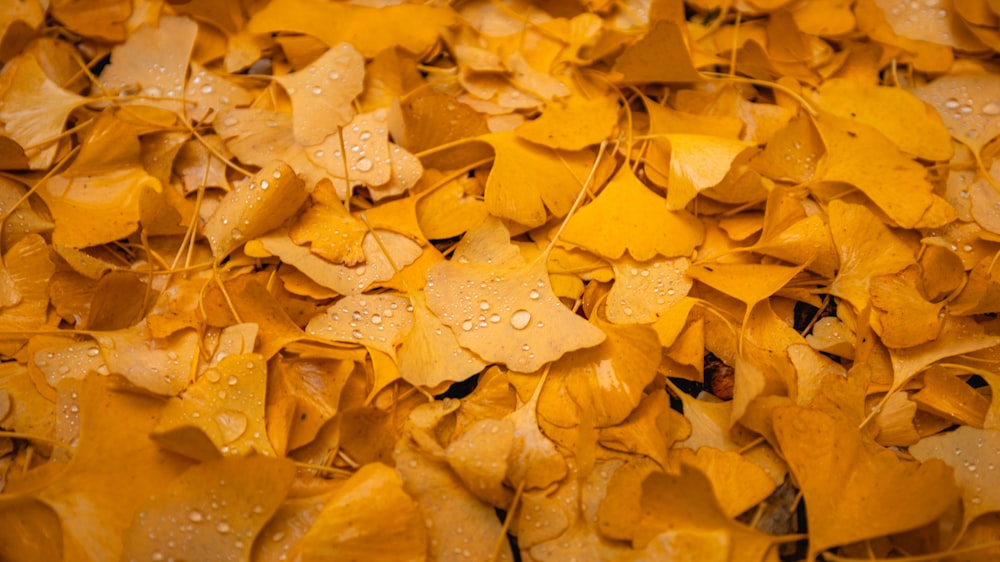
(499, 281)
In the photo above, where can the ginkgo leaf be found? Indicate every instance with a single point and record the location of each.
(958, 335)
(429, 353)
(211, 94)
(867, 248)
(506, 314)
(114, 470)
(377, 321)
(534, 461)
(370, 29)
(660, 55)
(103, 207)
(861, 156)
(747, 282)
(527, 180)
(643, 291)
(221, 412)
(697, 162)
(855, 491)
(156, 59)
(573, 123)
(343, 279)
(650, 430)
(331, 232)
(33, 125)
(455, 519)
(449, 210)
(922, 22)
(606, 381)
(212, 511)
(627, 216)
(910, 124)
(739, 484)
(370, 517)
(973, 454)
(485, 439)
(254, 208)
(322, 93)
(27, 268)
(793, 236)
(664, 120)
(105, 21)
(902, 316)
(687, 501)
(367, 158)
(969, 105)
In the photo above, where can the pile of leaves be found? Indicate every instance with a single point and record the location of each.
(498, 280)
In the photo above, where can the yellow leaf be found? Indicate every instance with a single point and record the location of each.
(527, 179)
(867, 248)
(346, 280)
(457, 522)
(371, 30)
(605, 382)
(644, 291)
(369, 517)
(573, 123)
(627, 216)
(212, 511)
(974, 455)
(34, 109)
(429, 353)
(853, 489)
(506, 313)
(859, 155)
(156, 59)
(377, 321)
(660, 55)
(322, 93)
(697, 162)
(114, 471)
(896, 113)
(255, 207)
(221, 412)
(968, 105)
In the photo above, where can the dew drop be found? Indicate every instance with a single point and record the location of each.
(991, 109)
(484, 305)
(467, 325)
(233, 380)
(364, 164)
(223, 527)
(494, 318)
(520, 319)
(534, 294)
(195, 516)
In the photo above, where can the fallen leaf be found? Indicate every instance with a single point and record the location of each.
(627, 216)
(857, 491)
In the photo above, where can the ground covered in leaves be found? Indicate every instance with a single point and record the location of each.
(569, 280)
